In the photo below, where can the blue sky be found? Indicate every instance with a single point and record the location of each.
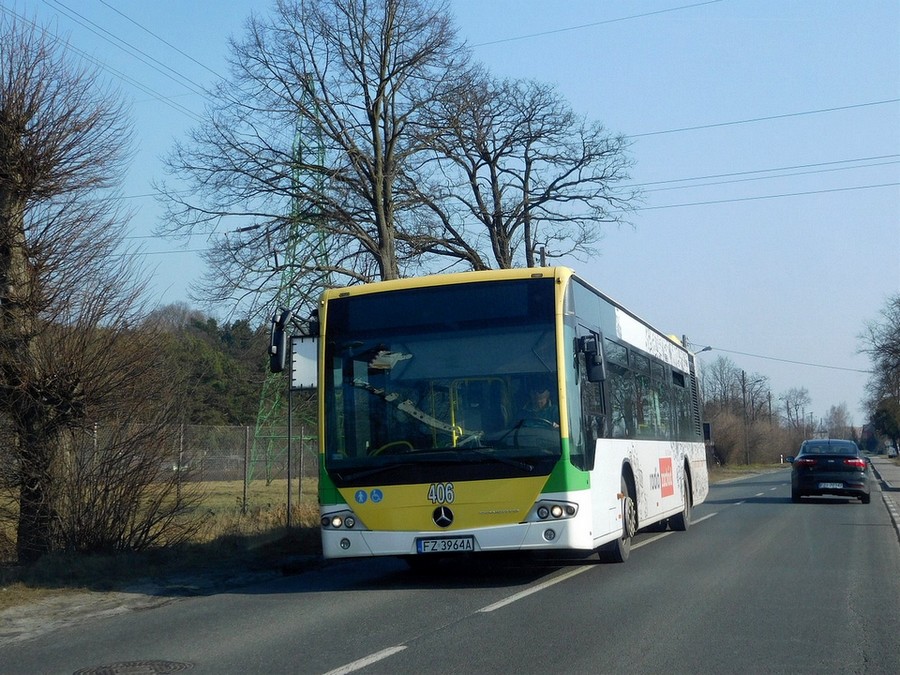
(766, 136)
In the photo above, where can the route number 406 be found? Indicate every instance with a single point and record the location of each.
(441, 493)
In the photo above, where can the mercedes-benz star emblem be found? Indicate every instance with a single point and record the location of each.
(443, 516)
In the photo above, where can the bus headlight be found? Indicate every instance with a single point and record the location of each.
(342, 520)
(547, 510)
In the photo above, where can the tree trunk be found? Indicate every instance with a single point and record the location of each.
(34, 533)
(18, 323)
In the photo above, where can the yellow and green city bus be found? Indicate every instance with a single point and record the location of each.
(509, 410)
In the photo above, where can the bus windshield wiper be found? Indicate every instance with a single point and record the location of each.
(424, 458)
(375, 470)
(488, 453)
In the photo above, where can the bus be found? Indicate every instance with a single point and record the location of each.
(503, 410)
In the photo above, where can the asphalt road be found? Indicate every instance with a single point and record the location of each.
(757, 585)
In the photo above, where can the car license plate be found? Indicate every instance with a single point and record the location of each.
(445, 545)
(830, 486)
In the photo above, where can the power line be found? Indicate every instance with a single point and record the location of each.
(147, 195)
(116, 73)
(772, 177)
(640, 208)
(164, 41)
(178, 250)
(594, 23)
(796, 363)
(134, 254)
(780, 168)
(127, 47)
(766, 118)
(759, 197)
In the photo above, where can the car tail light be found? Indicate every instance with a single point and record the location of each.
(806, 461)
(856, 463)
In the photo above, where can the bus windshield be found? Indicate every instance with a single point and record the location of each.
(450, 376)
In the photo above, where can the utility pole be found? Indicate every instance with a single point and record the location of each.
(744, 409)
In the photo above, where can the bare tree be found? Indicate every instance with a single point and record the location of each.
(68, 290)
(302, 155)
(728, 387)
(722, 383)
(881, 341)
(516, 160)
(837, 422)
(795, 401)
(758, 396)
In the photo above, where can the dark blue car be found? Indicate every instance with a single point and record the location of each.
(827, 466)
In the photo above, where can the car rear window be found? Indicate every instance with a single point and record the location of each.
(829, 449)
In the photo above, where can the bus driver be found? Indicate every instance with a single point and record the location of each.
(540, 406)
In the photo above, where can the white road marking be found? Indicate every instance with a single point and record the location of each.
(534, 589)
(572, 573)
(366, 661)
(390, 651)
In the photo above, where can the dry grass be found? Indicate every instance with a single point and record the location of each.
(720, 473)
(230, 538)
(223, 516)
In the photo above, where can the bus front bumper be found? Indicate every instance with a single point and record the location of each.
(549, 536)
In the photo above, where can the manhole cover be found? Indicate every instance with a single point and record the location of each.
(137, 668)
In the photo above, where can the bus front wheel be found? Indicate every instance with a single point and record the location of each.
(618, 550)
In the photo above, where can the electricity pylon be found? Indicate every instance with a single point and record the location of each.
(270, 439)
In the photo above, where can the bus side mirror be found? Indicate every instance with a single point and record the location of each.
(278, 340)
(589, 345)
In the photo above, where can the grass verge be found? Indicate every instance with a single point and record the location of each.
(232, 539)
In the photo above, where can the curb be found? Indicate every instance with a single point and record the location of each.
(893, 511)
(891, 502)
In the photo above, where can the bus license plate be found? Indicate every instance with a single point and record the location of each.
(830, 486)
(445, 545)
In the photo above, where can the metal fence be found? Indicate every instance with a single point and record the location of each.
(215, 453)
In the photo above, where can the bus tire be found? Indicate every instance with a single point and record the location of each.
(618, 551)
(682, 521)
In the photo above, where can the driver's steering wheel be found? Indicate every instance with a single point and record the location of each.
(393, 444)
(538, 422)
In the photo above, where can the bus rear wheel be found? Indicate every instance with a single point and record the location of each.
(682, 521)
(617, 551)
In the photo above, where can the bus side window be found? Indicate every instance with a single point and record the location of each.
(620, 390)
(592, 423)
(681, 402)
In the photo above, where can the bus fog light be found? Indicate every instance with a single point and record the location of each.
(543, 512)
(345, 543)
(549, 535)
(556, 511)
